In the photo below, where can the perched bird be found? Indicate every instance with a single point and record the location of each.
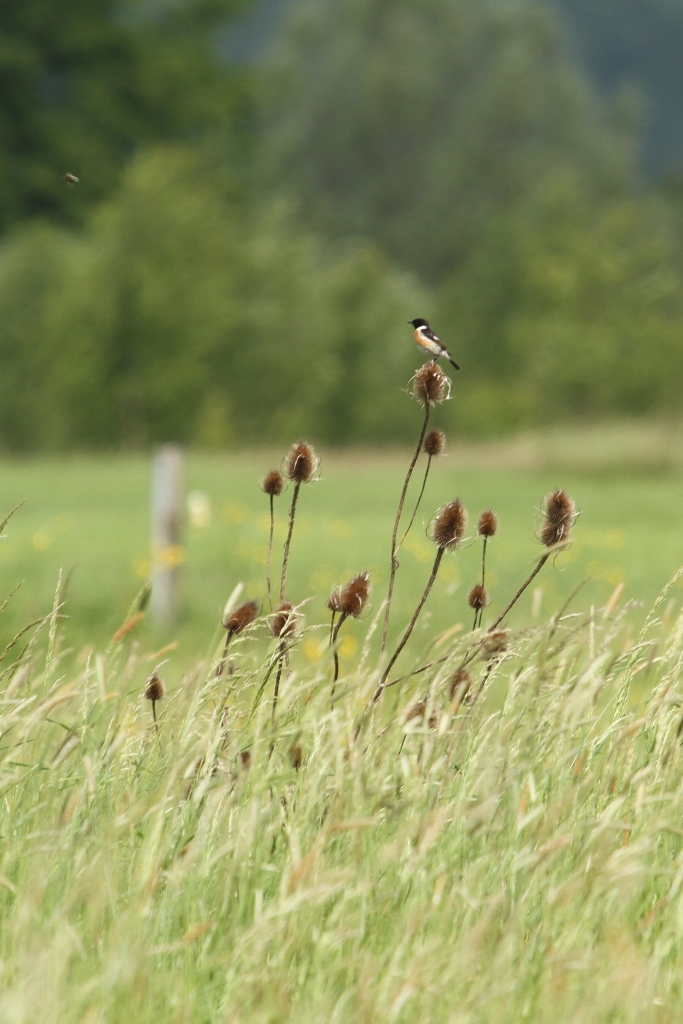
(430, 342)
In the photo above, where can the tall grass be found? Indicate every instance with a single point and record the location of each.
(519, 859)
(497, 839)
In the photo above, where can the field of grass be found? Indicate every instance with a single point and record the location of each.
(515, 857)
(92, 516)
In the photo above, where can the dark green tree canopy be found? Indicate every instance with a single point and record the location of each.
(84, 82)
(414, 121)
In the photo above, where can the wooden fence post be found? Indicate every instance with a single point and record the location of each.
(167, 519)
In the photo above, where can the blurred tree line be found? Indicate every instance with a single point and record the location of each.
(246, 244)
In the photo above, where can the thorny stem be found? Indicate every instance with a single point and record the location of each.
(417, 505)
(515, 599)
(221, 663)
(270, 553)
(399, 513)
(479, 612)
(277, 677)
(411, 625)
(285, 558)
(335, 652)
(154, 716)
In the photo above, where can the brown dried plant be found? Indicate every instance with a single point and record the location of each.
(347, 601)
(301, 462)
(273, 485)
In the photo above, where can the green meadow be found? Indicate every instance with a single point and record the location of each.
(89, 517)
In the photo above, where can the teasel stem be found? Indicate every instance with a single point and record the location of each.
(276, 691)
(541, 562)
(411, 625)
(399, 513)
(285, 558)
(478, 615)
(224, 657)
(417, 505)
(270, 553)
(335, 653)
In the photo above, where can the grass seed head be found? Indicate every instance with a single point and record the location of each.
(559, 518)
(478, 598)
(301, 462)
(273, 483)
(431, 385)
(284, 621)
(450, 524)
(488, 523)
(354, 595)
(434, 443)
(155, 689)
(241, 617)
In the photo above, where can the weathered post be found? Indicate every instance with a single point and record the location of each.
(167, 517)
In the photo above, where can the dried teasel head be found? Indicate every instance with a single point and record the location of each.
(418, 711)
(450, 524)
(478, 598)
(296, 756)
(241, 617)
(488, 523)
(301, 463)
(273, 483)
(559, 518)
(245, 759)
(284, 620)
(354, 595)
(495, 645)
(431, 385)
(334, 600)
(154, 688)
(434, 443)
(460, 685)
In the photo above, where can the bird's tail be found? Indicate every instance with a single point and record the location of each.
(452, 361)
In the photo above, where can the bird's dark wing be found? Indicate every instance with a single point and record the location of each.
(429, 333)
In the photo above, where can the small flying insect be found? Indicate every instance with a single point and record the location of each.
(70, 179)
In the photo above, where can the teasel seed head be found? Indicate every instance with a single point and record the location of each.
(418, 711)
(450, 525)
(296, 756)
(245, 759)
(478, 598)
(334, 600)
(488, 523)
(155, 689)
(301, 463)
(495, 645)
(354, 595)
(284, 621)
(273, 483)
(460, 684)
(241, 617)
(431, 385)
(559, 518)
(434, 443)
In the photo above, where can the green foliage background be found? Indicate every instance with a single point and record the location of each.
(246, 244)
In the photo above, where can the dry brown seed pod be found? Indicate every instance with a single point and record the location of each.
(434, 443)
(245, 759)
(301, 462)
(155, 689)
(241, 617)
(295, 756)
(450, 524)
(478, 598)
(284, 621)
(495, 644)
(488, 523)
(273, 483)
(354, 595)
(334, 600)
(460, 684)
(559, 518)
(431, 385)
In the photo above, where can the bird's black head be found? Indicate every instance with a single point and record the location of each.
(418, 322)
